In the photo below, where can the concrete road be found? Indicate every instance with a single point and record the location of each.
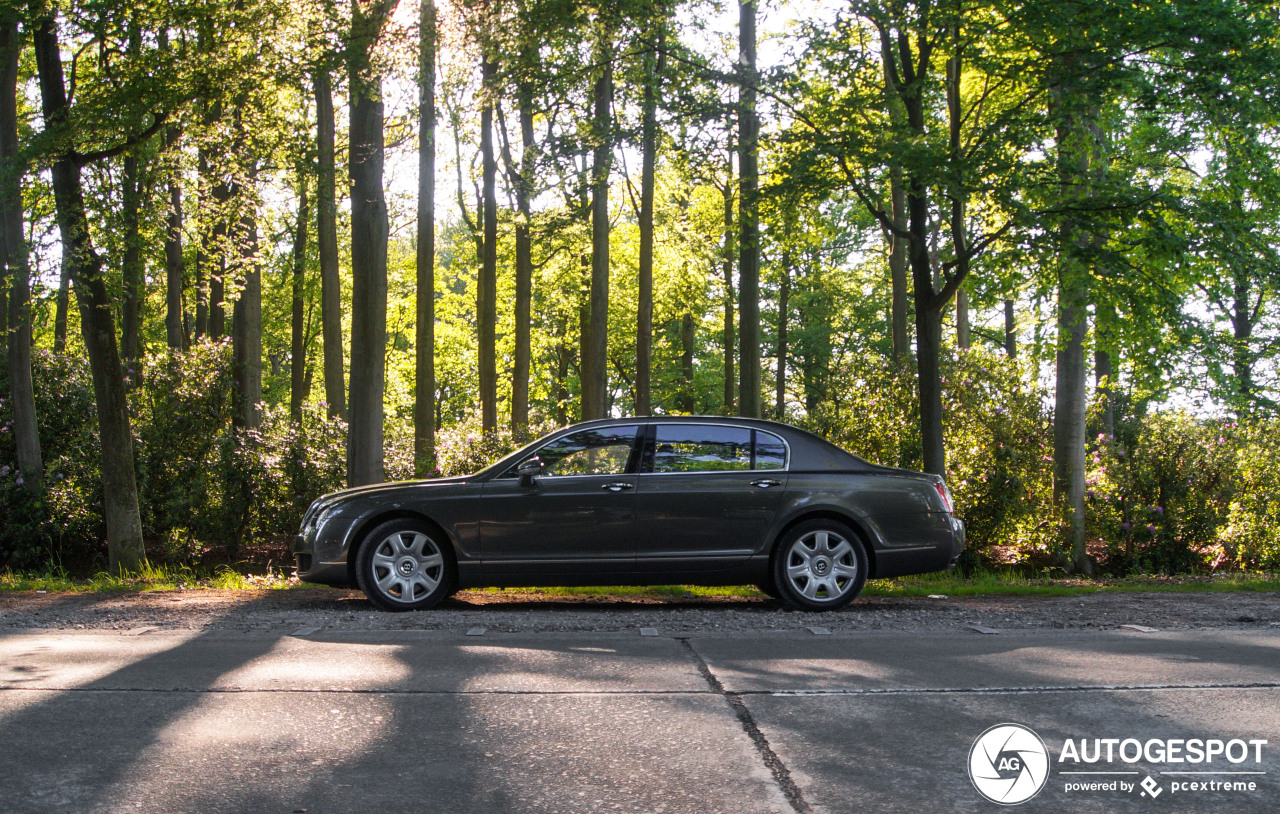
(405, 721)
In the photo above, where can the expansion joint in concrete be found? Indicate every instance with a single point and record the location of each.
(781, 775)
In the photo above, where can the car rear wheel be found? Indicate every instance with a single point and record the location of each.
(403, 566)
(820, 565)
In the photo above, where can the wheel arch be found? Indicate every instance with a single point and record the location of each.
(864, 536)
(368, 524)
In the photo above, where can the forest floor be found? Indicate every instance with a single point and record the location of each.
(520, 610)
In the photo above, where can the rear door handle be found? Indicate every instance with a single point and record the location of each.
(617, 486)
(766, 483)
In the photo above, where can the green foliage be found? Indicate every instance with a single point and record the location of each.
(208, 492)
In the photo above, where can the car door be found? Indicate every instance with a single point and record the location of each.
(708, 494)
(576, 516)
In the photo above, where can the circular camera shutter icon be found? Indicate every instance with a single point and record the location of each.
(1008, 764)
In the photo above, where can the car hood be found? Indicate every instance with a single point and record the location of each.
(375, 489)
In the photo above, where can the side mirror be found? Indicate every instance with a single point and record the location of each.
(529, 470)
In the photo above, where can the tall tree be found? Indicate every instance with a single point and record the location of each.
(424, 401)
(335, 387)
(748, 216)
(487, 279)
(119, 486)
(14, 259)
(369, 232)
(595, 347)
(524, 189)
(174, 266)
(727, 252)
(298, 380)
(654, 66)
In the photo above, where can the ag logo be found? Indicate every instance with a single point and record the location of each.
(1008, 764)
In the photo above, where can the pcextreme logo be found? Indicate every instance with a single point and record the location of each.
(1008, 764)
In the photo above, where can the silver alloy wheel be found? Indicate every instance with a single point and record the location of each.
(407, 566)
(822, 566)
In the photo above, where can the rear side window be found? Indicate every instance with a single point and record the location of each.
(701, 448)
(771, 453)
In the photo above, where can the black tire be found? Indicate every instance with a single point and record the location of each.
(403, 565)
(819, 565)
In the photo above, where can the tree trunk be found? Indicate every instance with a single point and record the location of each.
(784, 304)
(1243, 313)
(898, 308)
(958, 193)
(524, 262)
(928, 333)
(1010, 331)
(246, 328)
(487, 280)
(175, 333)
(561, 385)
(726, 268)
(202, 255)
(217, 254)
(688, 338)
(134, 288)
(369, 232)
(335, 393)
(14, 259)
(748, 218)
(1078, 139)
(897, 234)
(653, 69)
(424, 401)
(595, 374)
(62, 304)
(119, 487)
(298, 338)
(1104, 374)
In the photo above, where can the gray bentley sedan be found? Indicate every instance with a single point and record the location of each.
(640, 501)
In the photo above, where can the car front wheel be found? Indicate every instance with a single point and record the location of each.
(403, 566)
(820, 565)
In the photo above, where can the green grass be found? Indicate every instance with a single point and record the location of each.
(949, 583)
(149, 578)
(1013, 583)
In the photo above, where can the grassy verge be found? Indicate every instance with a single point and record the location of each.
(150, 578)
(1012, 583)
(948, 583)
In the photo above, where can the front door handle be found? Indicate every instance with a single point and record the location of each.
(617, 486)
(766, 483)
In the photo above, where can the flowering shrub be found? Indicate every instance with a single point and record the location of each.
(464, 448)
(1159, 492)
(1249, 537)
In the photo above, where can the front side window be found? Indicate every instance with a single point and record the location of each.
(701, 448)
(600, 451)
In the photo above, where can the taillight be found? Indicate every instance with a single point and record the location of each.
(945, 494)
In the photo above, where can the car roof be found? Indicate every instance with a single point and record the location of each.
(808, 451)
